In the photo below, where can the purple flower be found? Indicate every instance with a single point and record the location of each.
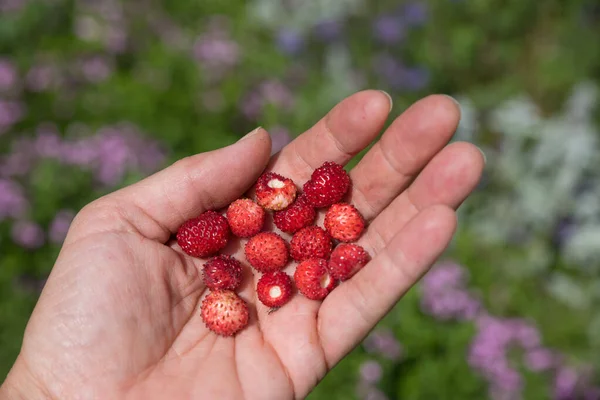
(96, 69)
(280, 137)
(28, 235)
(415, 78)
(539, 359)
(415, 13)
(252, 105)
(445, 275)
(60, 226)
(8, 74)
(113, 155)
(275, 92)
(398, 76)
(12, 5)
(20, 160)
(565, 229)
(11, 112)
(30, 284)
(444, 294)
(12, 200)
(48, 143)
(82, 152)
(565, 384)
(525, 334)
(116, 39)
(270, 92)
(375, 394)
(121, 148)
(112, 152)
(450, 305)
(367, 391)
(289, 41)
(371, 372)
(42, 77)
(389, 29)
(591, 393)
(216, 51)
(384, 343)
(328, 30)
(508, 380)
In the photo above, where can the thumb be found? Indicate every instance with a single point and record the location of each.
(159, 204)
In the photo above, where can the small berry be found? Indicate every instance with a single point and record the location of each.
(246, 218)
(274, 192)
(267, 252)
(313, 279)
(297, 216)
(327, 185)
(203, 236)
(224, 312)
(274, 289)
(344, 222)
(222, 273)
(310, 242)
(346, 260)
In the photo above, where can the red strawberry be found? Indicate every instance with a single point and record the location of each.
(346, 260)
(203, 236)
(274, 192)
(297, 216)
(274, 289)
(246, 218)
(222, 273)
(344, 222)
(313, 279)
(267, 252)
(310, 242)
(327, 185)
(224, 312)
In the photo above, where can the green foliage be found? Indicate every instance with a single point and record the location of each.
(487, 51)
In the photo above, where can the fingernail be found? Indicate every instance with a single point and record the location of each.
(389, 98)
(453, 99)
(483, 154)
(254, 132)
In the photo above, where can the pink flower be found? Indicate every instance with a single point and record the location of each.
(28, 234)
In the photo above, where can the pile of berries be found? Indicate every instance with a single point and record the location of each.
(320, 266)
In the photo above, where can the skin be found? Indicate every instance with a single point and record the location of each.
(119, 316)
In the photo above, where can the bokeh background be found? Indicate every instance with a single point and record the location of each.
(95, 94)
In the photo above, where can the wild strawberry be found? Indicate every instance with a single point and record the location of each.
(274, 192)
(267, 252)
(344, 222)
(274, 289)
(203, 236)
(327, 185)
(224, 312)
(246, 218)
(297, 216)
(222, 273)
(310, 242)
(313, 279)
(346, 260)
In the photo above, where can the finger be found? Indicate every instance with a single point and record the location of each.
(346, 130)
(403, 150)
(159, 204)
(448, 179)
(354, 308)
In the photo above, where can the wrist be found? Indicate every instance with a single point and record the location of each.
(20, 385)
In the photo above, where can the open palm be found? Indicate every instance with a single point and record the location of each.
(119, 316)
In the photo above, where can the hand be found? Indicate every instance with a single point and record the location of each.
(119, 316)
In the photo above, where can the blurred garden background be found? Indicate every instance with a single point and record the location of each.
(95, 94)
